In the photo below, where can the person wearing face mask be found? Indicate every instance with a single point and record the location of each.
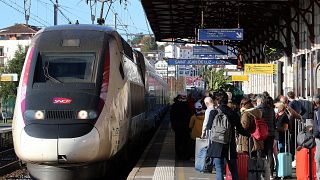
(282, 124)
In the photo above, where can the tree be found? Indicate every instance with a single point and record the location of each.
(15, 65)
(161, 47)
(136, 40)
(148, 43)
(215, 79)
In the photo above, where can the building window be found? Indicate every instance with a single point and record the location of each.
(1, 51)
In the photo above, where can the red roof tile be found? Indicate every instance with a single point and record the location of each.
(19, 29)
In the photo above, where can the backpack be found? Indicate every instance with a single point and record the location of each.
(221, 128)
(261, 131)
(305, 139)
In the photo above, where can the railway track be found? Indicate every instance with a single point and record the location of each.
(10, 167)
(8, 161)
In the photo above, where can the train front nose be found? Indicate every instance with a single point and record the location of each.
(73, 147)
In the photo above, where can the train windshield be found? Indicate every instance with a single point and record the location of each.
(65, 67)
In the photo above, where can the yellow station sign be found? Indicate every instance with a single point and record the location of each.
(259, 68)
(239, 78)
(6, 78)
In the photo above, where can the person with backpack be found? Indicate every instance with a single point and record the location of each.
(223, 145)
(316, 133)
(265, 104)
(296, 105)
(248, 115)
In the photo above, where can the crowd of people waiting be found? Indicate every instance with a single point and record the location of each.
(190, 119)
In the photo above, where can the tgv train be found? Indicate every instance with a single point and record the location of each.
(84, 94)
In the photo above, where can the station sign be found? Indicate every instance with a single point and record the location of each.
(210, 50)
(220, 34)
(239, 78)
(9, 77)
(259, 68)
(173, 61)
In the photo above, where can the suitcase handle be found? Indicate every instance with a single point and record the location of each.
(286, 134)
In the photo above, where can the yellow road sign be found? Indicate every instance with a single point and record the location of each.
(239, 78)
(259, 68)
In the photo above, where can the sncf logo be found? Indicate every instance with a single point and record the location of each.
(59, 100)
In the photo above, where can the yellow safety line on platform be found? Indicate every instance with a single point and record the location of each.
(181, 171)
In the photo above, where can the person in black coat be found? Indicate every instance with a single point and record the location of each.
(179, 117)
(220, 152)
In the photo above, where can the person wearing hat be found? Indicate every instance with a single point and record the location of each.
(195, 124)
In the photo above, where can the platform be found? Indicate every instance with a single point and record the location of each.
(158, 160)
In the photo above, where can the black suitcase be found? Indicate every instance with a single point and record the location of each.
(258, 168)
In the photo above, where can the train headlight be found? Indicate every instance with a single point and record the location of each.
(39, 115)
(34, 114)
(87, 114)
(83, 114)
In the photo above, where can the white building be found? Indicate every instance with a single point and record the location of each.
(11, 37)
(172, 51)
(179, 52)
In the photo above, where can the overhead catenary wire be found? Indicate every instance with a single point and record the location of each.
(39, 18)
(64, 8)
(108, 9)
(120, 21)
(62, 13)
(20, 11)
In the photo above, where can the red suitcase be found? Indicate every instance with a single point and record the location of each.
(242, 163)
(303, 164)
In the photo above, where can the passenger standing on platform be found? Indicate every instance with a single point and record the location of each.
(180, 117)
(316, 133)
(292, 116)
(296, 105)
(196, 123)
(265, 104)
(208, 101)
(191, 102)
(248, 123)
(221, 152)
(282, 124)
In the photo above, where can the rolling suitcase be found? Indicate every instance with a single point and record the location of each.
(200, 143)
(242, 164)
(305, 160)
(201, 161)
(285, 160)
(258, 168)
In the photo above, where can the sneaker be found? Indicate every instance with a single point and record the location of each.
(293, 164)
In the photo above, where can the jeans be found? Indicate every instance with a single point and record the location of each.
(268, 151)
(317, 158)
(219, 165)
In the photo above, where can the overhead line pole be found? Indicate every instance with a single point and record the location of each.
(27, 6)
(55, 16)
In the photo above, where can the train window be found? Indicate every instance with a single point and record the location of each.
(65, 67)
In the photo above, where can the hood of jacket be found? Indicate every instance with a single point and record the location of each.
(254, 112)
(200, 116)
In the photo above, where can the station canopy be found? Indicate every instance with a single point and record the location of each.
(177, 20)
